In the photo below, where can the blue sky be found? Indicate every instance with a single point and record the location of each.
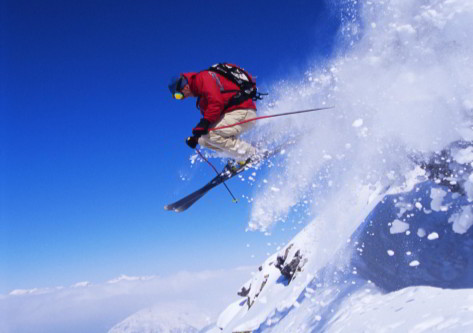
(92, 144)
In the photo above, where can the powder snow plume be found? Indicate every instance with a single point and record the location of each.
(401, 82)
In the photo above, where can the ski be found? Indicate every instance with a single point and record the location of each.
(186, 202)
(226, 174)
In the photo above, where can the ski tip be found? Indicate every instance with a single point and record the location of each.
(170, 208)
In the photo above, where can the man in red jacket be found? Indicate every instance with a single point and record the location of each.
(217, 103)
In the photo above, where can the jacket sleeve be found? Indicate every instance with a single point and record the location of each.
(209, 90)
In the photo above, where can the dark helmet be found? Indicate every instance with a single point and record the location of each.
(177, 84)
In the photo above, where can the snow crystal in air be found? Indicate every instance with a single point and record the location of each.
(414, 263)
(437, 196)
(433, 236)
(462, 221)
(403, 208)
(193, 158)
(421, 232)
(390, 253)
(398, 227)
(357, 123)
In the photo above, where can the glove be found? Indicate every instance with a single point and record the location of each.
(201, 128)
(192, 141)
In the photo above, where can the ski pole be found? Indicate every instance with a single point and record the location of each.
(271, 116)
(235, 200)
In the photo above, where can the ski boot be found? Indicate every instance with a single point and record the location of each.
(233, 166)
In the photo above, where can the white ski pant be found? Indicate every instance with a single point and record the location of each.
(226, 140)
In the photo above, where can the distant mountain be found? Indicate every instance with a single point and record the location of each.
(162, 320)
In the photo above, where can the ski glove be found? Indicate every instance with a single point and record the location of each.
(192, 141)
(201, 128)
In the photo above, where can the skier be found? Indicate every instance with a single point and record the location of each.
(225, 96)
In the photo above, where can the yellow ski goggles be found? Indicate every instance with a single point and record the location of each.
(178, 95)
(176, 86)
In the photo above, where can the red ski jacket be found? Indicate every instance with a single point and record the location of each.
(211, 101)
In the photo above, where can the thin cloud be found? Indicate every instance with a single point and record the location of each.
(88, 307)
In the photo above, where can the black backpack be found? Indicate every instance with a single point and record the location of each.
(239, 77)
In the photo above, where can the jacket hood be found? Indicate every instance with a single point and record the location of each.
(188, 75)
